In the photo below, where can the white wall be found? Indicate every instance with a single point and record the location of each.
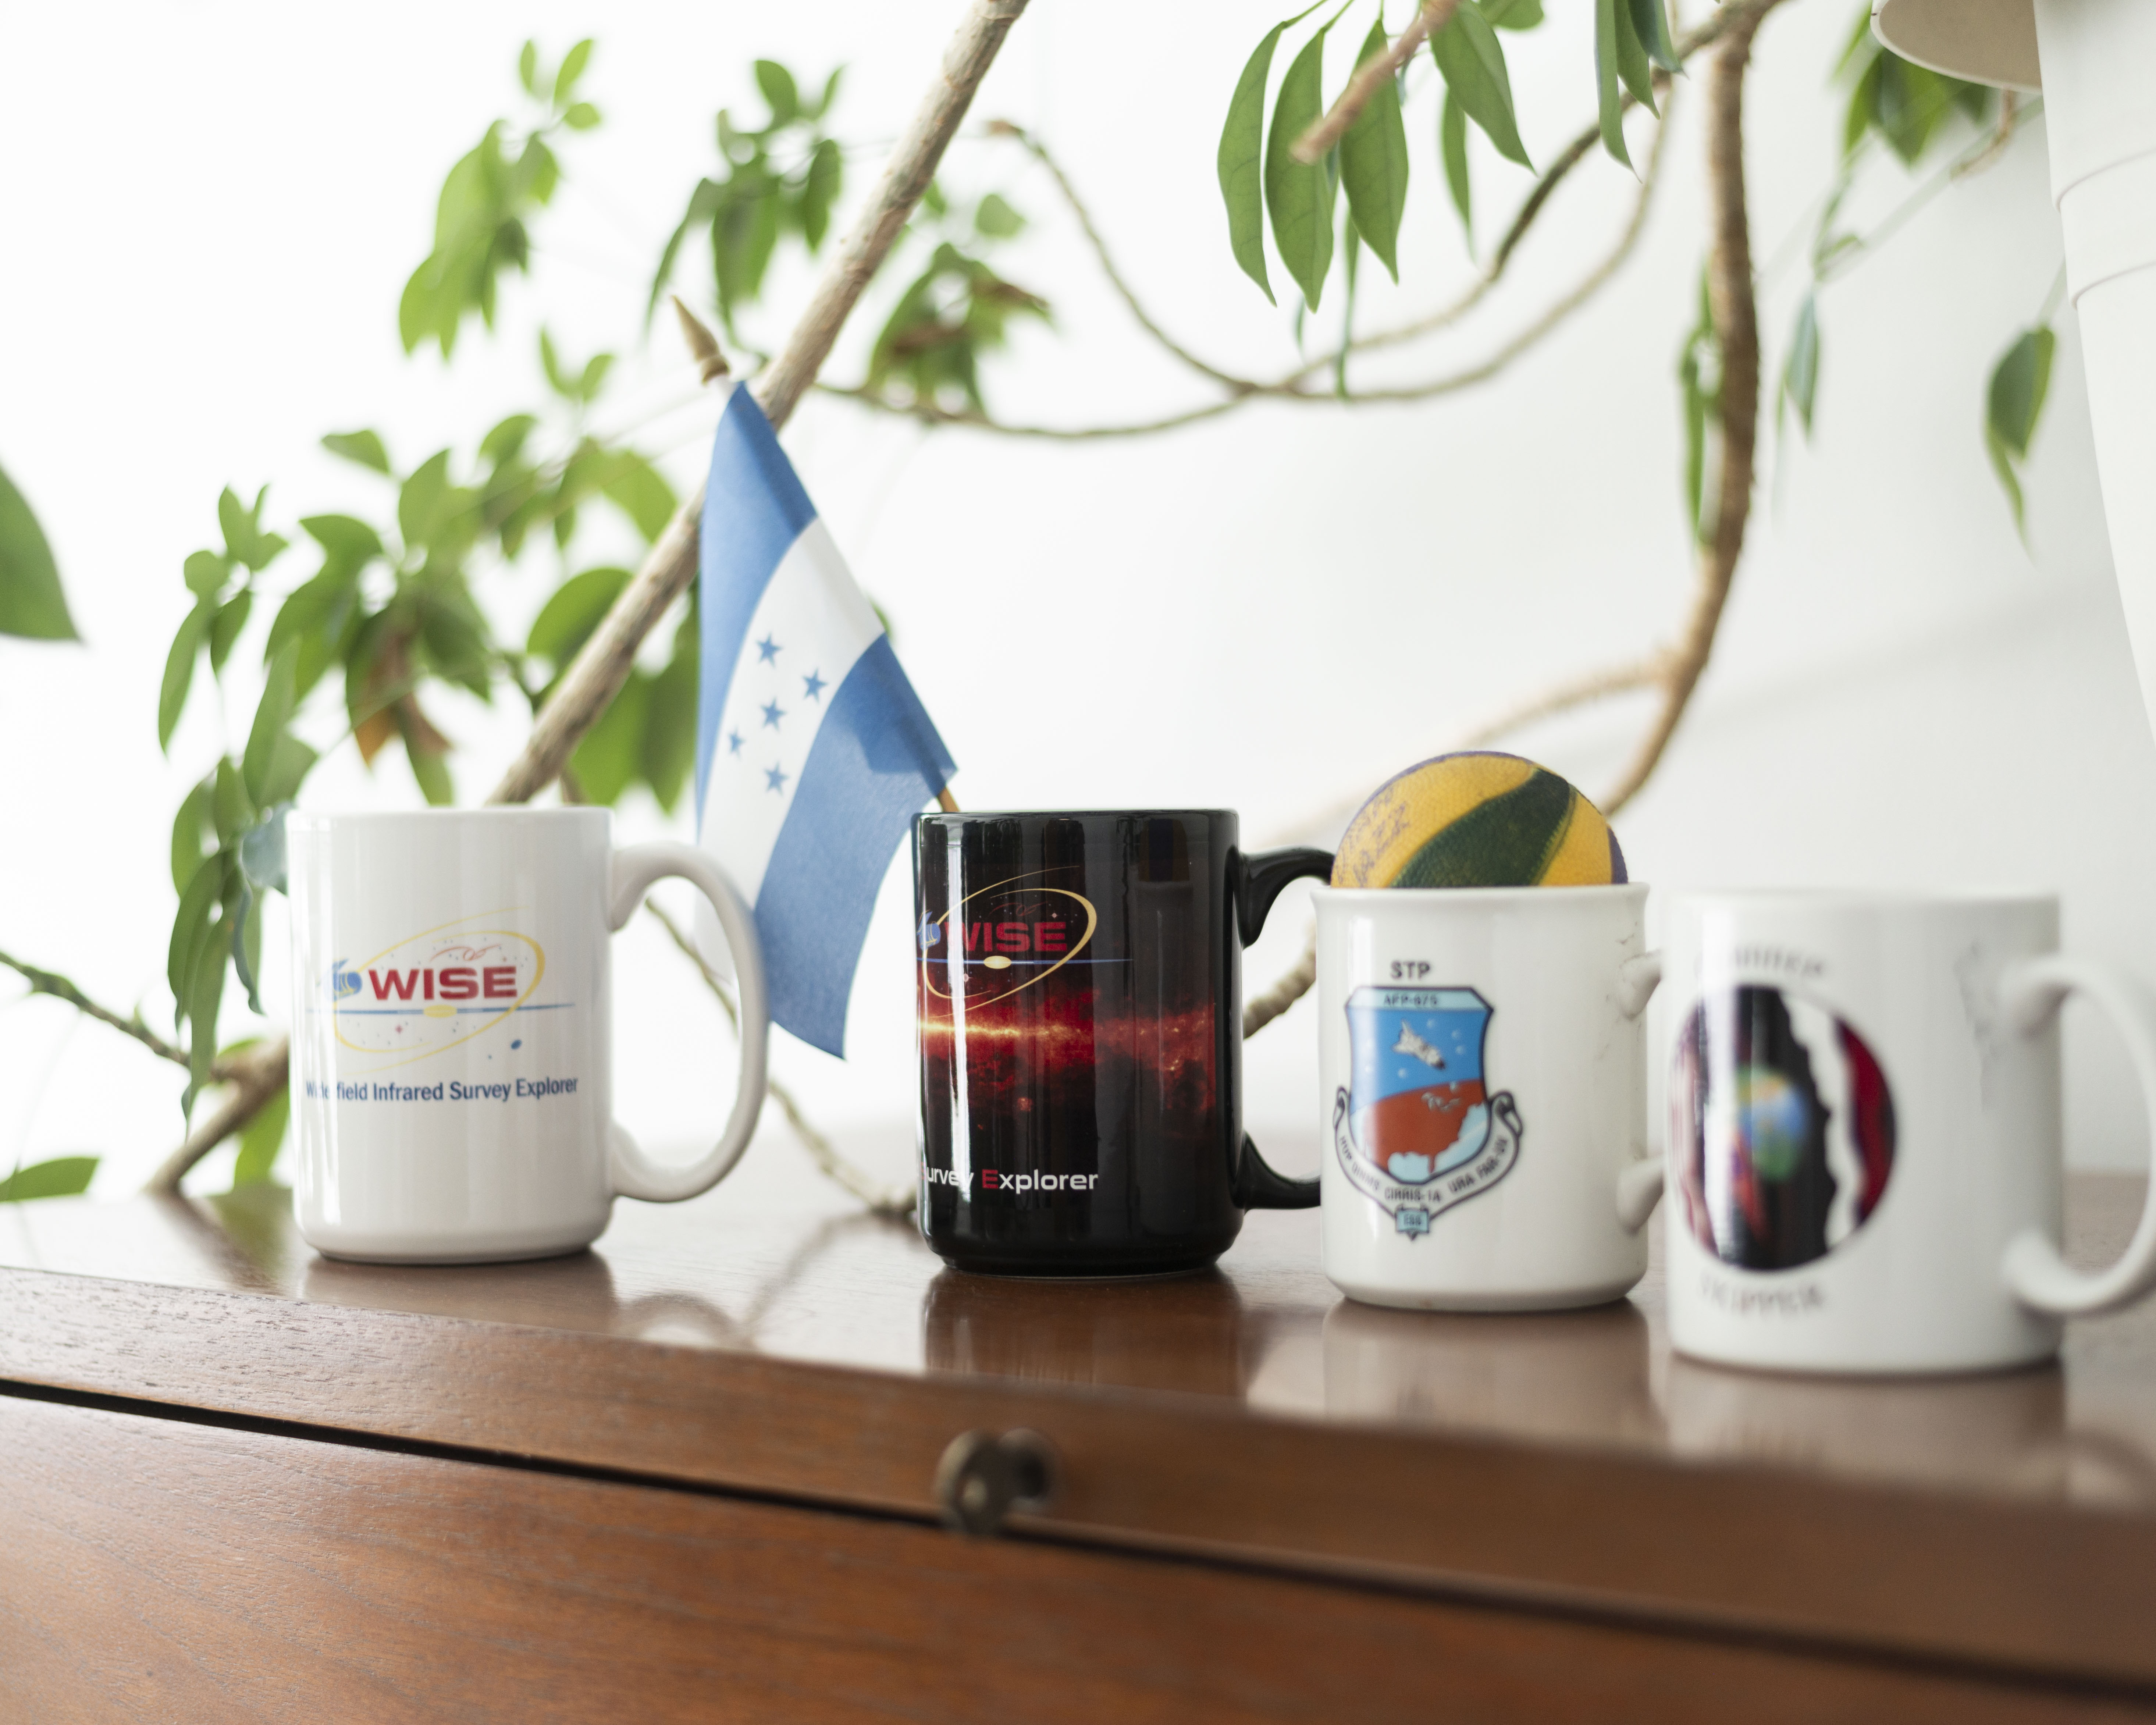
(209, 211)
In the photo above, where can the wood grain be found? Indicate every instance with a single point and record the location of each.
(155, 1570)
(1563, 1463)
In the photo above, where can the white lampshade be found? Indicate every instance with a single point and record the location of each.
(1986, 41)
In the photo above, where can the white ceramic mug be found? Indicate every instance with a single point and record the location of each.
(1482, 1074)
(1865, 1164)
(452, 1045)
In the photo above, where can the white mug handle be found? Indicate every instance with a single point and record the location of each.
(1639, 1187)
(2030, 995)
(632, 1173)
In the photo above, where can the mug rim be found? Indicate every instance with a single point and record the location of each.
(1475, 895)
(1865, 898)
(318, 820)
(1152, 810)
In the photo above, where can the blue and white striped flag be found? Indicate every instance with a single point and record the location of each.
(813, 753)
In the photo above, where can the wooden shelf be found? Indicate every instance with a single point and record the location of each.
(763, 1346)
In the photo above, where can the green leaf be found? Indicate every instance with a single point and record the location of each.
(1800, 370)
(229, 806)
(1242, 154)
(580, 116)
(572, 67)
(2018, 384)
(261, 1141)
(1452, 147)
(197, 904)
(2014, 405)
(703, 207)
(31, 604)
(593, 379)
(1374, 159)
(640, 491)
(424, 500)
(62, 1177)
(506, 440)
(779, 91)
(205, 573)
(247, 945)
(996, 218)
(1632, 57)
(1650, 29)
(550, 361)
(428, 768)
(669, 723)
(262, 859)
(1472, 61)
(527, 68)
(823, 103)
(205, 994)
(1699, 372)
(191, 826)
(1608, 94)
(1299, 195)
(364, 447)
(271, 716)
(1514, 14)
(180, 671)
(610, 758)
(224, 629)
(289, 767)
(565, 621)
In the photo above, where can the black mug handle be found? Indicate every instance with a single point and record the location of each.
(1260, 879)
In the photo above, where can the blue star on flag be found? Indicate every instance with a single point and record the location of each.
(813, 686)
(734, 740)
(767, 650)
(773, 713)
(776, 779)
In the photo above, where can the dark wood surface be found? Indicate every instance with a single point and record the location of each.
(761, 1341)
(152, 1569)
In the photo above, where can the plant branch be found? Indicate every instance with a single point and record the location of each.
(1433, 17)
(596, 674)
(821, 1151)
(1292, 986)
(256, 1076)
(52, 983)
(598, 670)
(1729, 287)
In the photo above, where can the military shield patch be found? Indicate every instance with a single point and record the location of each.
(1418, 1131)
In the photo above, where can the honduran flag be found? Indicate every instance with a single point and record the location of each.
(813, 751)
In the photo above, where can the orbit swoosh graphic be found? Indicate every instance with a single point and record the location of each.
(948, 922)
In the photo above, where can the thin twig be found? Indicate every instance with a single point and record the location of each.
(1433, 17)
(1289, 387)
(1033, 147)
(52, 983)
(256, 1076)
(1292, 987)
(1729, 286)
(821, 1151)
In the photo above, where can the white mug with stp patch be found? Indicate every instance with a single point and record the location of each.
(1482, 1061)
(1865, 1150)
(452, 1034)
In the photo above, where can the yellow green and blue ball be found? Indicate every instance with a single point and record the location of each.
(1478, 820)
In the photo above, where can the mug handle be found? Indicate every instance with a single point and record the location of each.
(1258, 879)
(632, 1173)
(1639, 1187)
(2030, 993)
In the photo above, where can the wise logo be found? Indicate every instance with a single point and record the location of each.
(1003, 939)
(436, 990)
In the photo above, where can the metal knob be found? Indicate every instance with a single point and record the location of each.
(982, 1478)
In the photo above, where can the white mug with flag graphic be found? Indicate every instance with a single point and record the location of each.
(813, 754)
(452, 1033)
(1482, 1068)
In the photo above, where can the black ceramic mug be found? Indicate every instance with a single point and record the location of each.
(1080, 1031)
